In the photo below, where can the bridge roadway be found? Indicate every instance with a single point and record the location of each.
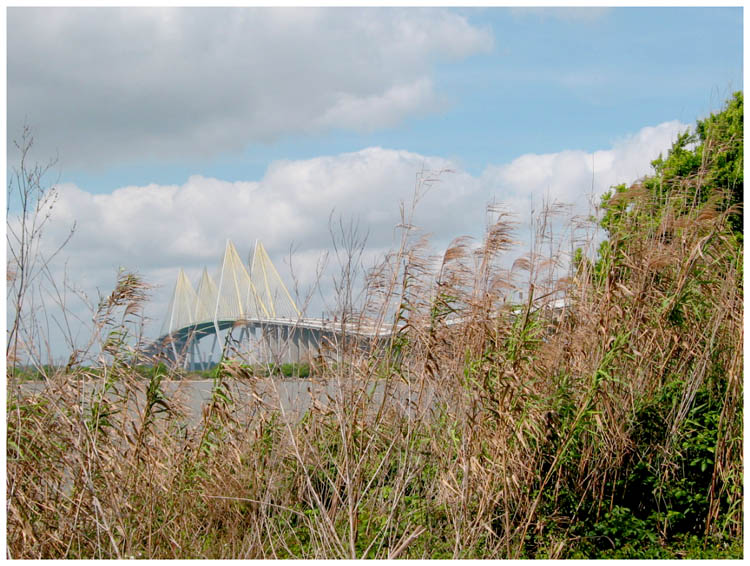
(280, 339)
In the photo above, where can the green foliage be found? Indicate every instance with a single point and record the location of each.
(657, 500)
(726, 164)
(610, 430)
(295, 370)
(24, 373)
(710, 159)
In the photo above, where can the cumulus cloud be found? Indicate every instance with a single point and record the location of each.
(157, 229)
(379, 110)
(166, 227)
(579, 177)
(109, 85)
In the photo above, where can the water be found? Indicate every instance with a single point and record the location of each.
(292, 397)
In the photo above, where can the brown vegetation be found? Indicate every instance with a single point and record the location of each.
(610, 426)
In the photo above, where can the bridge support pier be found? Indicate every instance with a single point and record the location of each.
(303, 345)
(313, 344)
(261, 341)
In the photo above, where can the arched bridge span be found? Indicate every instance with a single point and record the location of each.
(270, 340)
(253, 309)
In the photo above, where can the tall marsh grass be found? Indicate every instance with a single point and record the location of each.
(608, 424)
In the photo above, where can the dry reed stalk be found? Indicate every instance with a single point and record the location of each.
(478, 428)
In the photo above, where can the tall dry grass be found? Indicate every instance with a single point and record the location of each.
(481, 427)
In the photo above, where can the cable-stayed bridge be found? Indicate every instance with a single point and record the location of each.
(251, 315)
(249, 312)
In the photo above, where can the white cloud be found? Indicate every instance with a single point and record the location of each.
(157, 229)
(577, 177)
(379, 110)
(111, 85)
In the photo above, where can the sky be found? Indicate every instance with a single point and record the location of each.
(177, 129)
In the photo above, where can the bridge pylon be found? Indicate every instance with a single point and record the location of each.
(234, 297)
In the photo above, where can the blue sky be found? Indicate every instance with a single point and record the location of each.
(178, 129)
(551, 81)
